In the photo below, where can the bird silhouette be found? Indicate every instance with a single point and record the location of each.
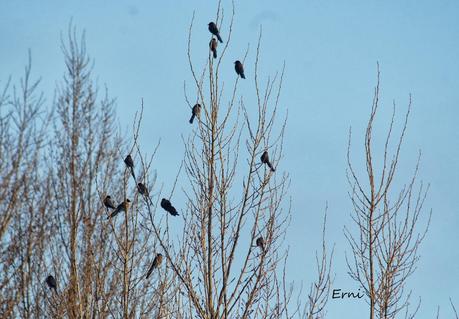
(51, 282)
(167, 206)
(265, 160)
(142, 189)
(213, 46)
(108, 202)
(239, 68)
(214, 30)
(130, 164)
(261, 243)
(156, 263)
(195, 112)
(123, 207)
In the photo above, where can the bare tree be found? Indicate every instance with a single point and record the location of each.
(319, 291)
(386, 240)
(227, 257)
(97, 260)
(23, 196)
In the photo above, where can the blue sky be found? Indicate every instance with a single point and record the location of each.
(330, 49)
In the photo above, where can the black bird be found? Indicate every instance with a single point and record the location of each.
(156, 262)
(195, 112)
(265, 160)
(142, 189)
(213, 46)
(123, 207)
(108, 202)
(214, 30)
(239, 68)
(51, 282)
(261, 243)
(130, 164)
(167, 206)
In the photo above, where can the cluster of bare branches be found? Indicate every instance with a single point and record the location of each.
(24, 196)
(388, 235)
(227, 257)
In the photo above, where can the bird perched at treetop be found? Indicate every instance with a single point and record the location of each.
(167, 206)
(214, 30)
(213, 46)
(195, 112)
(239, 68)
(265, 160)
(130, 164)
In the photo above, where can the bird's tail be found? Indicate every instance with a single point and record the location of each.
(242, 75)
(192, 118)
(219, 38)
(113, 214)
(215, 53)
(271, 167)
(150, 271)
(132, 173)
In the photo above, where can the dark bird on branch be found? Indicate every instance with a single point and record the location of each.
(51, 282)
(130, 164)
(142, 189)
(265, 160)
(239, 68)
(108, 202)
(167, 206)
(213, 46)
(261, 243)
(156, 262)
(214, 30)
(195, 112)
(123, 207)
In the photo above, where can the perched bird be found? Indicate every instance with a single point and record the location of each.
(195, 112)
(213, 46)
(130, 164)
(123, 207)
(214, 30)
(108, 202)
(156, 262)
(265, 160)
(142, 189)
(239, 68)
(261, 243)
(51, 282)
(167, 206)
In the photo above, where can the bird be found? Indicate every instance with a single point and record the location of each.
(130, 164)
(156, 262)
(265, 160)
(261, 243)
(239, 68)
(123, 207)
(214, 30)
(195, 112)
(213, 46)
(108, 202)
(51, 282)
(167, 206)
(143, 190)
